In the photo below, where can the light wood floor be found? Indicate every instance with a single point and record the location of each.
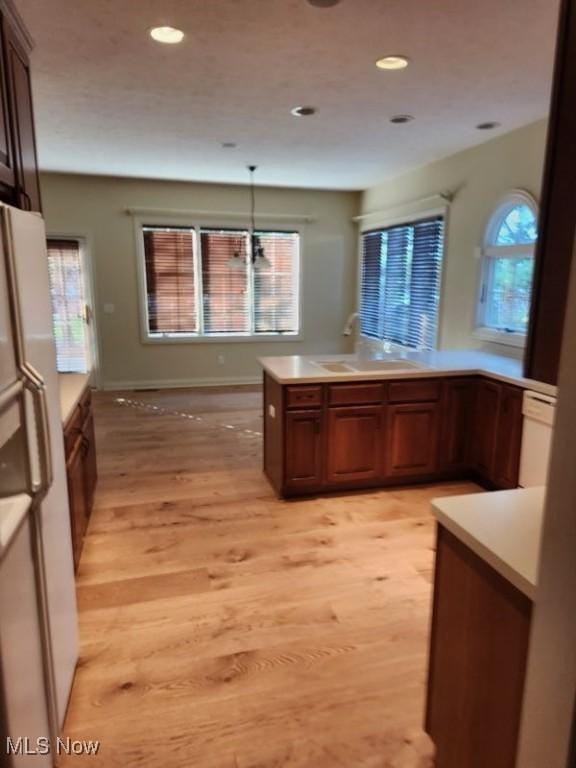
(222, 628)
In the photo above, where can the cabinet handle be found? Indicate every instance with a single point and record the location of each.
(317, 424)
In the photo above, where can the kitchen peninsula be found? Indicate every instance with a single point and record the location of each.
(344, 422)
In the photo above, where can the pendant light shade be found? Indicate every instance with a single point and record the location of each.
(257, 253)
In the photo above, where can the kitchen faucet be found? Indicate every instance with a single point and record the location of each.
(350, 323)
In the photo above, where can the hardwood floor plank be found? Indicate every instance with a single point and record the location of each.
(224, 628)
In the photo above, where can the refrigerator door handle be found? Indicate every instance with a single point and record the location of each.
(35, 385)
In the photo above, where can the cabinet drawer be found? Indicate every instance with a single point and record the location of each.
(304, 396)
(355, 394)
(422, 391)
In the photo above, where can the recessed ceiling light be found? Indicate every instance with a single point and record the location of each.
(323, 3)
(167, 35)
(488, 126)
(393, 62)
(229, 145)
(401, 119)
(303, 111)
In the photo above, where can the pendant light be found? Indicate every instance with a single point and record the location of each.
(257, 254)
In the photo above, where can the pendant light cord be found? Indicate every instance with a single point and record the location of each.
(253, 243)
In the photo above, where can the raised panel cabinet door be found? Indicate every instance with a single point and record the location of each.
(353, 444)
(22, 123)
(77, 499)
(457, 423)
(90, 467)
(484, 434)
(508, 438)
(413, 439)
(303, 456)
(6, 153)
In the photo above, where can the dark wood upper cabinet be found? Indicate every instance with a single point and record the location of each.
(7, 178)
(22, 121)
(557, 226)
(353, 444)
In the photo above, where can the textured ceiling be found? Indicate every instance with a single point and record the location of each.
(111, 101)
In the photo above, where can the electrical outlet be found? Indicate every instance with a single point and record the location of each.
(109, 309)
(272, 411)
(221, 359)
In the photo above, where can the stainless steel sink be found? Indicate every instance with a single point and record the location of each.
(385, 365)
(367, 366)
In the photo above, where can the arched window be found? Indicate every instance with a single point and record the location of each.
(507, 268)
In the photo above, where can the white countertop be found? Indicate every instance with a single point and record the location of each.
(503, 528)
(72, 387)
(303, 369)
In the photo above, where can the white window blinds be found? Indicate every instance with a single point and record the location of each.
(203, 282)
(226, 301)
(68, 305)
(169, 256)
(276, 285)
(401, 271)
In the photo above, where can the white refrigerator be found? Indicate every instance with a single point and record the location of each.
(38, 620)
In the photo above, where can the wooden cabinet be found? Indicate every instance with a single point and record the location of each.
(304, 450)
(497, 433)
(485, 429)
(79, 510)
(81, 470)
(412, 439)
(508, 438)
(321, 437)
(7, 178)
(22, 122)
(19, 180)
(478, 652)
(354, 444)
(458, 419)
(557, 219)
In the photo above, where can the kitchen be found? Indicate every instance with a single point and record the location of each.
(270, 631)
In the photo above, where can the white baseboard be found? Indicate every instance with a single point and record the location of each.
(180, 383)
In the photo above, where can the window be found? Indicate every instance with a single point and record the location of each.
(201, 282)
(69, 309)
(401, 272)
(507, 267)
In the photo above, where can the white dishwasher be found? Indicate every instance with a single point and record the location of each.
(538, 411)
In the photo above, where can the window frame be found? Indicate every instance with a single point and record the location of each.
(488, 253)
(168, 221)
(380, 221)
(85, 247)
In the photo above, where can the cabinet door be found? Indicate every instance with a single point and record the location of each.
(413, 439)
(353, 444)
(6, 154)
(303, 459)
(90, 468)
(77, 499)
(22, 123)
(508, 439)
(485, 427)
(457, 423)
(477, 665)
